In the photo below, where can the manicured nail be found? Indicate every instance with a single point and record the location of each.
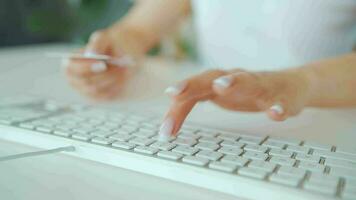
(98, 67)
(175, 90)
(223, 82)
(166, 129)
(123, 61)
(277, 108)
(89, 53)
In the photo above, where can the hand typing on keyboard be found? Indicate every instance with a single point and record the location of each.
(279, 94)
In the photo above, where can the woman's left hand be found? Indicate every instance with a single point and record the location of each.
(280, 94)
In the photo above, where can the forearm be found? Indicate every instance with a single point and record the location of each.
(332, 82)
(149, 20)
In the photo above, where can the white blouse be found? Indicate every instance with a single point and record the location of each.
(272, 34)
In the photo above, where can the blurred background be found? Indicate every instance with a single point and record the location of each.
(42, 21)
(25, 22)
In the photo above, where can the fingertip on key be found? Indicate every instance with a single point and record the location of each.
(166, 130)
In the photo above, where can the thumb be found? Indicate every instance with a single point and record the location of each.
(98, 43)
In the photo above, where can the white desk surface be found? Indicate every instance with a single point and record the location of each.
(62, 177)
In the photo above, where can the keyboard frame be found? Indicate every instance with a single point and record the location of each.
(235, 185)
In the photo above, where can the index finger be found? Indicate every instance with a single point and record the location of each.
(85, 67)
(185, 97)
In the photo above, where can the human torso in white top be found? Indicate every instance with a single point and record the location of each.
(273, 34)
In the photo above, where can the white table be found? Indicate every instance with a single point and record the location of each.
(62, 177)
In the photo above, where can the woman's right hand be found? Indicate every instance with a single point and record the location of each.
(104, 80)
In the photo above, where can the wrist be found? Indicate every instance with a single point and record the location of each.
(134, 38)
(308, 82)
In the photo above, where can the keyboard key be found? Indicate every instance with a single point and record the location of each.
(65, 127)
(144, 134)
(232, 144)
(320, 188)
(100, 133)
(211, 155)
(185, 135)
(324, 179)
(27, 126)
(346, 173)
(141, 141)
(254, 147)
(340, 163)
(206, 133)
(229, 137)
(280, 152)
(222, 166)
(255, 155)
(299, 149)
(315, 145)
(236, 160)
(308, 158)
(147, 129)
(350, 182)
(121, 137)
(207, 146)
(195, 160)
(100, 140)
(252, 172)
(166, 146)
(158, 138)
(292, 171)
(273, 145)
(285, 179)
(350, 151)
(266, 166)
(230, 150)
(185, 142)
(44, 129)
(282, 161)
(186, 150)
(123, 145)
(311, 166)
(247, 140)
(6, 121)
(62, 133)
(169, 155)
(84, 130)
(289, 141)
(338, 155)
(146, 150)
(210, 140)
(128, 128)
(82, 136)
(349, 193)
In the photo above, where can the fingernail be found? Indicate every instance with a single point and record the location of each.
(89, 53)
(166, 129)
(223, 82)
(123, 61)
(98, 67)
(277, 108)
(175, 90)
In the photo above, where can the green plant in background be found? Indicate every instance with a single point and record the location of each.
(73, 20)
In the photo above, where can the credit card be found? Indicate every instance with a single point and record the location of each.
(124, 60)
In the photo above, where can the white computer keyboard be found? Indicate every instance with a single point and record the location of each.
(243, 165)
